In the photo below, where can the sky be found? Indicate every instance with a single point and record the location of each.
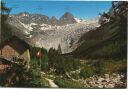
(80, 9)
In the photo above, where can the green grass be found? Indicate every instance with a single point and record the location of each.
(65, 83)
(108, 66)
(39, 82)
(87, 71)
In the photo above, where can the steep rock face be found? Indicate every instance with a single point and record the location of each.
(67, 18)
(28, 18)
(40, 34)
(53, 21)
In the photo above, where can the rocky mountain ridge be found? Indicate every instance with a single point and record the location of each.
(26, 18)
(38, 30)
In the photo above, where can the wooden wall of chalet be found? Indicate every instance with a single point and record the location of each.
(8, 52)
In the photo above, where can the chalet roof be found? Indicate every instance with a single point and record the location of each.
(16, 43)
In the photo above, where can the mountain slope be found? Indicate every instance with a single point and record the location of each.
(107, 41)
(49, 34)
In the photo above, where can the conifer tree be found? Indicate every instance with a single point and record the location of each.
(59, 49)
(5, 31)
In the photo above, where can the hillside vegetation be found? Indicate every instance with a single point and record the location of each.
(107, 41)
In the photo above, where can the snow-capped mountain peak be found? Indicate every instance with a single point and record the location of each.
(41, 31)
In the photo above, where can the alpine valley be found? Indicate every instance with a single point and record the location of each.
(42, 51)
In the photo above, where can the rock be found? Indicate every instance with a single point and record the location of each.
(104, 82)
(100, 86)
(114, 75)
(107, 76)
(52, 84)
(100, 79)
(122, 76)
(92, 83)
(107, 80)
(116, 80)
(43, 73)
(111, 85)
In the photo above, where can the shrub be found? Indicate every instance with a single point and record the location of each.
(87, 71)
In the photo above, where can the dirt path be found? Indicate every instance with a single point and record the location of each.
(52, 84)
